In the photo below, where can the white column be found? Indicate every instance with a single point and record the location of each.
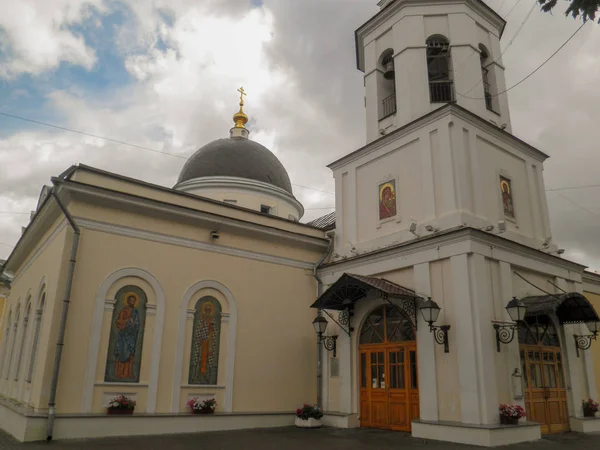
(428, 397)
(475, 341)
(344, 351)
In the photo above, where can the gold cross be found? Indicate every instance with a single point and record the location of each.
(242, 93)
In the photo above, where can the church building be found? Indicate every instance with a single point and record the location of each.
(435, 288)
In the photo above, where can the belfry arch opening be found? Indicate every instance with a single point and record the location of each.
(488, 77)
(386, 84)
(388, 371)
(439, 69)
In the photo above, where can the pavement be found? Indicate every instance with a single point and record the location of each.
(291, 438)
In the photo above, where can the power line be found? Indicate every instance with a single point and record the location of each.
(89, 134)
(510, 42)
(573, 187)
(313, 209)
(16, 212)
(532, 73)
(8, 245)
(140, 147)
(577, 204)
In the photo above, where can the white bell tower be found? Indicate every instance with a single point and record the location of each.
(419, 55)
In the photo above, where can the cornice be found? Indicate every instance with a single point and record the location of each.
(128, 200)
(449, 109)
(446, 238)
(394, 7)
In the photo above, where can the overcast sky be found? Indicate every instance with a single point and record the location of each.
(163, 74)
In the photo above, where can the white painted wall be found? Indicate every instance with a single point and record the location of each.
(404, 28)
(447, 170)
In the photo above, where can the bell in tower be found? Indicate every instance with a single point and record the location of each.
(388, 65)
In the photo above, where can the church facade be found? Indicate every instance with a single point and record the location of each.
(441, 289)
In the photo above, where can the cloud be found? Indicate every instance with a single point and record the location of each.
(185, 59)
(35, 36)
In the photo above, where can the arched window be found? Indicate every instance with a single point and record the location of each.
(488, 78)
(538, 330)
(439, 70)
(13, 340)
(387, 324)
(206, 333)
(124, 356)
(386, 84)
(5, 344)
(22, 339)
(36, 338)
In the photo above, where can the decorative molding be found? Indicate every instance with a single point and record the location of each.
(231, 347)
(150, 309)
(203, 386)
(174, 210)
(92, 360)
(109, 304)
(129, 385)
(451, 243)
(189, 243)
(242, 184)
(190, 313)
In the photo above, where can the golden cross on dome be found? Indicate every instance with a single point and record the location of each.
(242, 93)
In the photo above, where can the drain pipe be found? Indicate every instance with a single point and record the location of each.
(319, 346)
(63, 320)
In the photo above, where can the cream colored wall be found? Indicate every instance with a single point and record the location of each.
(165, 225)
(44, 273)
(275, 340)
(280, 207)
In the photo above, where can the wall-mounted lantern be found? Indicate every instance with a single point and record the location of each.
(517, 384)
(329, 342)
(505, 331)
(584, 341)
(431, 311)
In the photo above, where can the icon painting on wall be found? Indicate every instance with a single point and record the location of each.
(126, 336)
(507, 198)
(387, 199)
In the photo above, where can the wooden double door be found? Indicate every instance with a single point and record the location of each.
(389, 391)
(544, 387)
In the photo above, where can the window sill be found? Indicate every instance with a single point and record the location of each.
(389, 115)
(493, 111)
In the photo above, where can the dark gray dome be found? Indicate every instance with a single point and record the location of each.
(236, 157)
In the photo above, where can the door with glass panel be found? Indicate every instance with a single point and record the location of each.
(389, 392)
(543, 376)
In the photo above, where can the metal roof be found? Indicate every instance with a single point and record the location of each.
(571, 307)
(236, 157)
(326, 222)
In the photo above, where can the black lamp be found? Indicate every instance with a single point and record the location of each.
(329, 342)
(505, 331)
(431, 311)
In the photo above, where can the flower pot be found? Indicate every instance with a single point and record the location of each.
(587, 412)
(308, 423)
(203, 411)
(119, 411)
(509, 420)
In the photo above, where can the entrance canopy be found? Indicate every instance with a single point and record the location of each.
(571, 307)
(349, 288)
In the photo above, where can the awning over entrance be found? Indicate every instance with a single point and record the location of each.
(571, 307)
(349, 289)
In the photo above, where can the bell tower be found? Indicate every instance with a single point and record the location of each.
(419, 55)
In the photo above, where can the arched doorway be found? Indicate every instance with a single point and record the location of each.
(542, 364)
(388, 378)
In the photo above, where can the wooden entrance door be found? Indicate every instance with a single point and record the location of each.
(543, 377)
(389, 393)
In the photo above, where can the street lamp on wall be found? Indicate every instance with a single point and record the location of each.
(329, 342)
(505, 331)
(584, 341)
(431, 311)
